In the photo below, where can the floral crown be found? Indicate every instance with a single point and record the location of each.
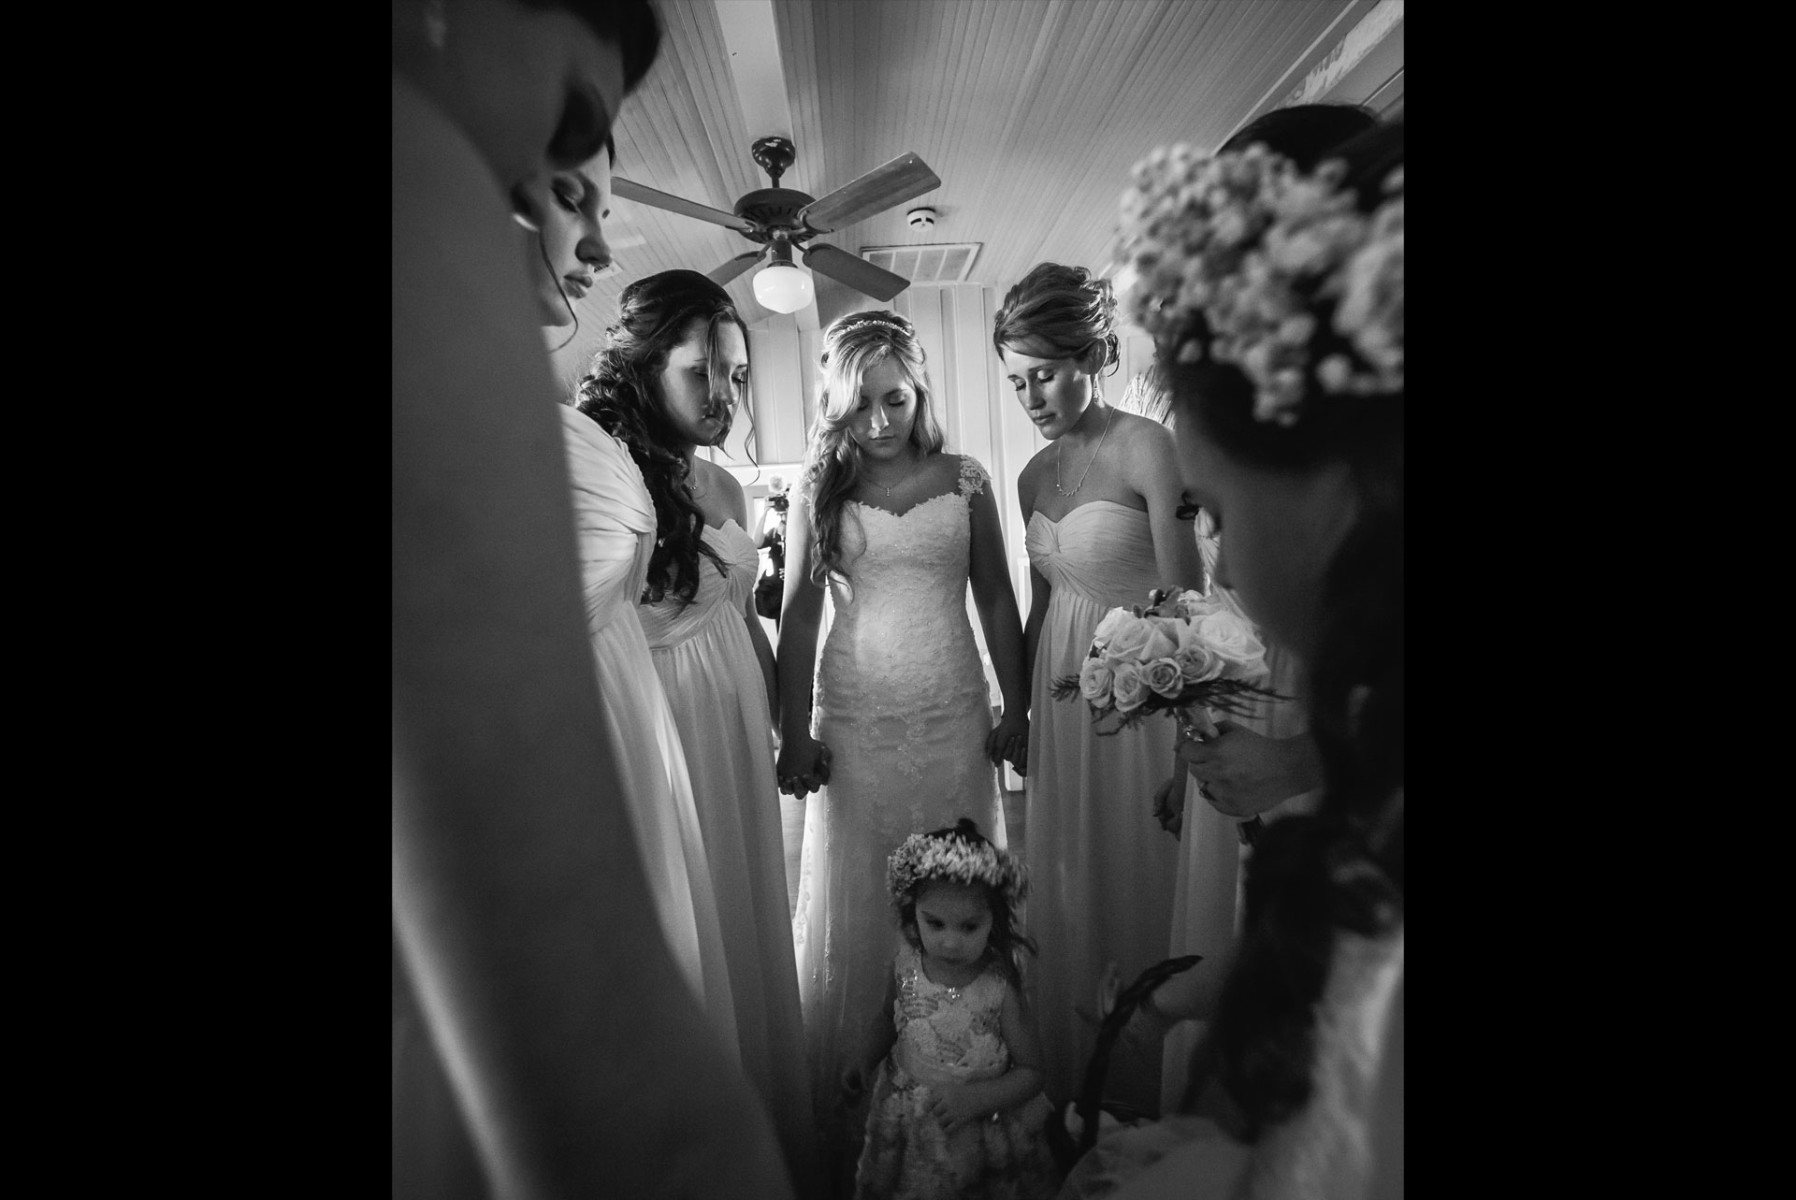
(924, 856)
(1253, 246)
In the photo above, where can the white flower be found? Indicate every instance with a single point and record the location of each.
(1139, 640)
(1232, 638)
(1113, 620)
(1094, 682)
(1165, 676)
(1128, 687)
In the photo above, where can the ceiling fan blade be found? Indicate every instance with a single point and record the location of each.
(686, 208)
(857, 273)
(734, 267)
(903, 178)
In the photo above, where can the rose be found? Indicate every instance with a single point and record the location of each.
(1233, 639)
(1197, 662)
(1193, 604)
(1114, 620)
(1164, 676)
(1139, 641)
(1128, 687)
(1094, 681)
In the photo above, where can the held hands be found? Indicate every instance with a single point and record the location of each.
(1009, 741)
(1243, 773)
(803, 765)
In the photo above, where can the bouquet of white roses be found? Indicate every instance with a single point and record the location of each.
(1184, 654)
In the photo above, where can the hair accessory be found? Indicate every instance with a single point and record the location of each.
(921, 857)
(1261, 252)
(872, 317)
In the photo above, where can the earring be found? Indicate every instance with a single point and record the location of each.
(436, 24)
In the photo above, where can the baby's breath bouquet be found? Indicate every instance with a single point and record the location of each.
(1184, 654)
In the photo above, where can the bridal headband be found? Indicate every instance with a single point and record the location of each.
(922, 856)
(1262, 253)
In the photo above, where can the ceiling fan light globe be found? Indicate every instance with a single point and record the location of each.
(783, 288)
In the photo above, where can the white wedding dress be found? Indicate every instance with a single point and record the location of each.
(902, 703)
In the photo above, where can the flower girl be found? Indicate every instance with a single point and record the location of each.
(957, 1108)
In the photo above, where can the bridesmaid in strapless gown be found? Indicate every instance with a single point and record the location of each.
(1106, 871)
(1101, 504)
(616, 524)
(708, 666)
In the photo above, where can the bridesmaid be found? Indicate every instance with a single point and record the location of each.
(669, 380)
(537, 976)
(1100, 506)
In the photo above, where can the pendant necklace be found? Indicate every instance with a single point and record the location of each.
(1089, 462)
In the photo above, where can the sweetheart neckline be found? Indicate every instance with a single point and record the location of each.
(1088, 504)
(913, 508)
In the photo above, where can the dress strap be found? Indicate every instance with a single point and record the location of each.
(973, 477)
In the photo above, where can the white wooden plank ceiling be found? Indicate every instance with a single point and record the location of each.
(1030, 111)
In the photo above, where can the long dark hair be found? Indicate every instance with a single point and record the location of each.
(620, 392)
(1007, 942)
(1340, 870)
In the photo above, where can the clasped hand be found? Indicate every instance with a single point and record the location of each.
(803, 765)
(954, 1105)
(1009, 741)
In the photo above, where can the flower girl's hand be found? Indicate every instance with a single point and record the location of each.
(1009, 741)
(954, 1106)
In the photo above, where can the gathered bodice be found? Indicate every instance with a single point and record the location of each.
(721, 595)
(614, 517)
(947, 1034)
(899, 627)
(1101, 550)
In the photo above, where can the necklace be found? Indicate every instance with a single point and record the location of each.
(1088, 464)
(872, 482)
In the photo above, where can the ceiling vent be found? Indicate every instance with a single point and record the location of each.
(941, 262)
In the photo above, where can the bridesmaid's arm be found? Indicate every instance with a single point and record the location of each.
(996, 602)
(801, 611)
(1038, 584)
(1158, 483)
(757, 634)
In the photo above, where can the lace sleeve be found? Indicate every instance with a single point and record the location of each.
(973, 477)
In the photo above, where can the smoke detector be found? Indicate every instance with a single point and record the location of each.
(921, 218)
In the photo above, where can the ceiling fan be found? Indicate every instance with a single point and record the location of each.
(781, 219)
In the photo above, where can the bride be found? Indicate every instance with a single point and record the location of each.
(897, 529)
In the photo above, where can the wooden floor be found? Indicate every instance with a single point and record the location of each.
(792, 832)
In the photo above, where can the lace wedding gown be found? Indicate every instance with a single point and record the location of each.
(901, 701)
(707, 665)
(615, 521)
(1104, 870)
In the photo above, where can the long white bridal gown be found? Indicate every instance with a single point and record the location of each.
(902, 702)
